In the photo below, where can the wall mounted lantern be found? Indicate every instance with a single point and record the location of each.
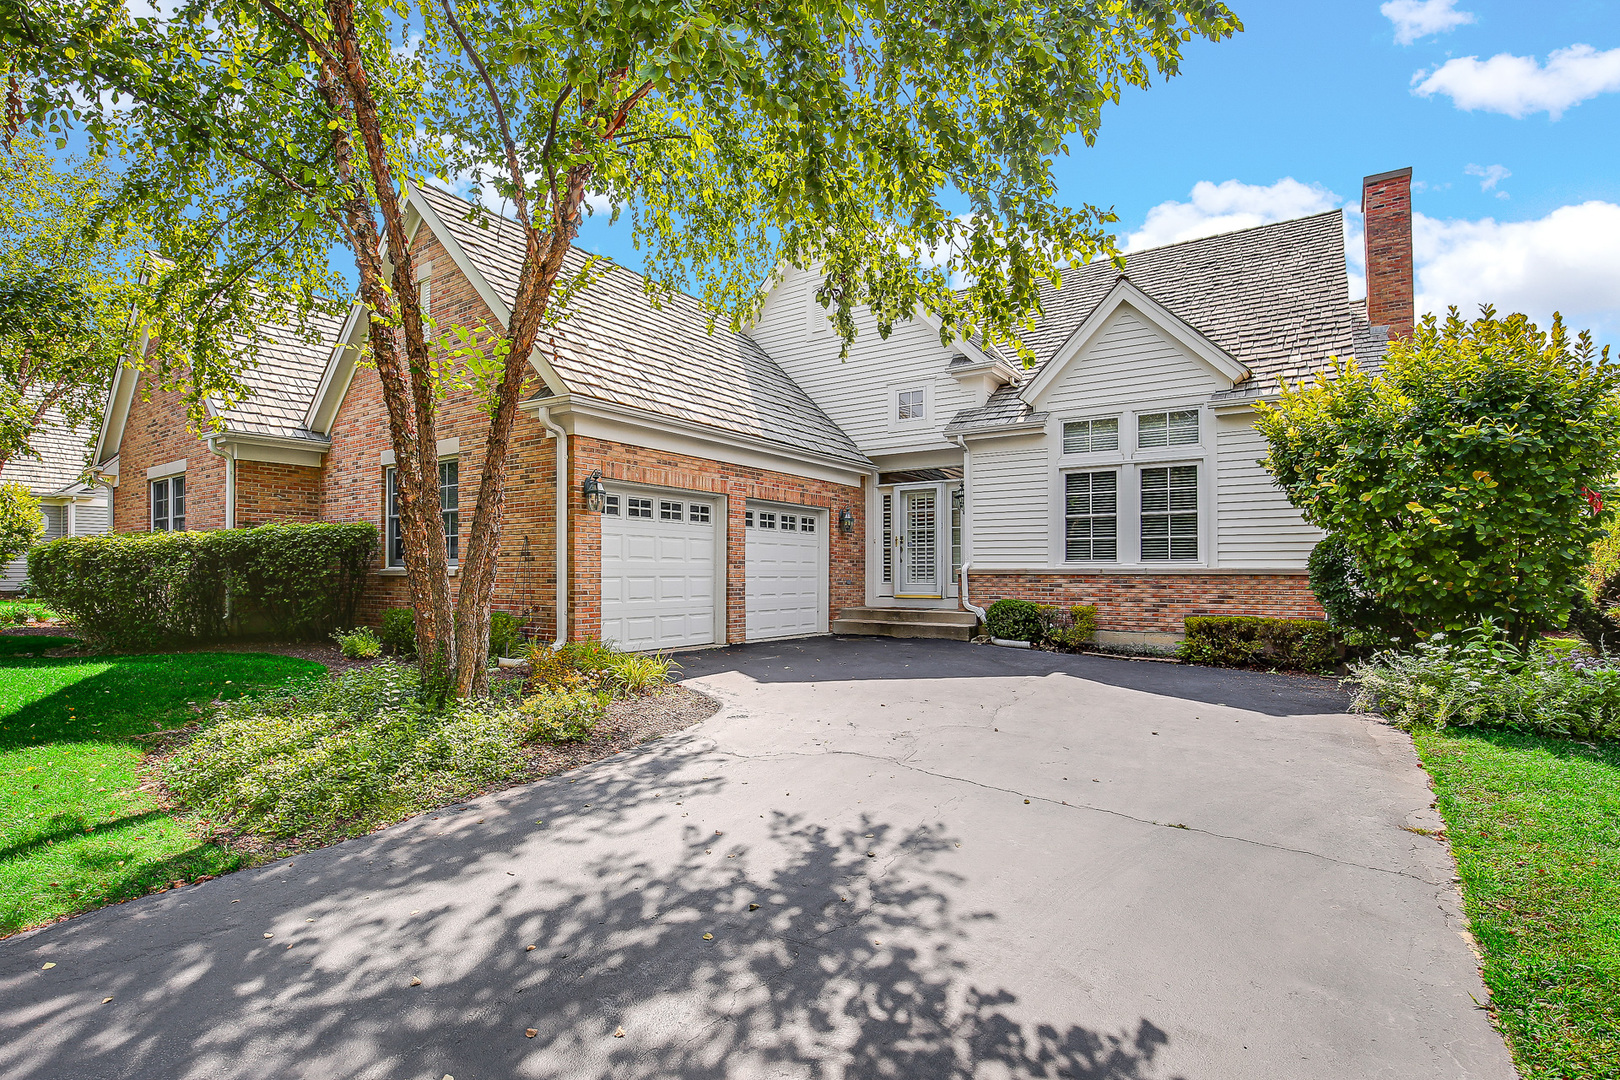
(958, 498)
(846, 521)
(595, 493)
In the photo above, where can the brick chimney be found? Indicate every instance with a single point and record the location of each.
(1386, 208)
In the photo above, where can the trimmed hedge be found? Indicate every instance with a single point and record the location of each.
(1014, 620)
(137, 590)
(1252, 641)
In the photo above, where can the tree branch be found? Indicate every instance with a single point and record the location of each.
(520, 195)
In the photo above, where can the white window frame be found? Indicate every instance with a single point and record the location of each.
(1092, 453)
(167, 484)
(1200, 480)
(911, 423)
(391, 526)
(1119, 516)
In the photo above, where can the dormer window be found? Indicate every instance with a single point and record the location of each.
(912, 405)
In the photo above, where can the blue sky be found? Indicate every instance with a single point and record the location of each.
(1515, 205)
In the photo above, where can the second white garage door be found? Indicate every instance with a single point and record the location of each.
(658, 571)
(785, 571)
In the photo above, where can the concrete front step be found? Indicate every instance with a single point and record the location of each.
(906, 623)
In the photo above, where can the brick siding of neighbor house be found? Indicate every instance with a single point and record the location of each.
(156, 434)
(1386, 206)
(269, 493)
(738, 483)
(1156, 603)
(352, 487)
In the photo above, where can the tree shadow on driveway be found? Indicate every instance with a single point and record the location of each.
(662, 947)
(835, 659)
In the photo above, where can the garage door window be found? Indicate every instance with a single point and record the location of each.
(698, 513)
(638, 508)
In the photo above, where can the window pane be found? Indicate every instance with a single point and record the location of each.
(610, 505)
(1105, 434)
(1090, 436)
(177, 503)
(748, 519)
(1091, 527)
(396, 543)
(669, 511)
(450, 502)
(1152, 429)
(1184, 428)
(638, 508)
(1170, 513)
(911, 405)
(790, 522)
(888, 537)
(807, 524)
(698, 512)
(1155, 491)
(767, 520)
(160, 506)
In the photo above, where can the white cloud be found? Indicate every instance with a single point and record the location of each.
(1415, 19)
(1518, 86)
(1228, 206)
(1491, 175)
(1568, 261)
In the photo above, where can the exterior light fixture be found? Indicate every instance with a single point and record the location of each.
(595, 493)
(958, 498)
(846, 521)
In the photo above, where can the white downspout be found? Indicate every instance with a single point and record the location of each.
(561, 516)
(967, 533)
(230, 481)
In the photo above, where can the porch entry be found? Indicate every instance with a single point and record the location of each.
(921, 541)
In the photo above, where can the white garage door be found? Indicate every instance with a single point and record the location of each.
(785, 573)
(657, 571)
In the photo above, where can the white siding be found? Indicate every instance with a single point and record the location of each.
(91, 520)
(1010, 503)
(1258, 527)
(856, 392)
(87, 520)
(1130, 363)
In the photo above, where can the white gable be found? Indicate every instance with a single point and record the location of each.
(1129, 362)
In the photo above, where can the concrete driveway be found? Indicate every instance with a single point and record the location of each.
(881, 859)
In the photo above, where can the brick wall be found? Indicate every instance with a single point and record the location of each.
(268, 493)
(156, 434)
(1155, 603)
(639, 465)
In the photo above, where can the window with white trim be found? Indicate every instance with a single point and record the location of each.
(697, 513)
(911, 405)
(1091, 516)
(670, 511)
(449, 505)
(610, 505)
(807, 523)
(767, 520)
(1091, 436)
(169, 504)
(1178, 428)
(1170, 513)
(638, 508)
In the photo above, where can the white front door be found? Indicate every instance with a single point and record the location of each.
(785, 572)
(658, 571)
(917, 543)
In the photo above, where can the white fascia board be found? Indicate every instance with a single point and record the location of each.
(339, 370)
(1125, 292)
(635, 427)
(119, 397)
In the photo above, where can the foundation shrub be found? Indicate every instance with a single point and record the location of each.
(127, 590)
(1071, 629)
(1014, 620)
(1247, 641)
(399, 631)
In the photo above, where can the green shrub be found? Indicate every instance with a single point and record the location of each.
(361, 643)
(639, 673)
(1478, 679)
(1341, 588)
(1253, 641)
(1072, 628)
(21, 521)
(399, 631)
(131, 590)
(505, 634)
(563, 715)
(1014, 620)
(341, 754)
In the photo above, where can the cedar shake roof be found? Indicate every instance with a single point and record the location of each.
(64, 454)
(616, 347)
(283, 376)
(1272, 297)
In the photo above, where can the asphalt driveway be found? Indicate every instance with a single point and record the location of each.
(880, 859)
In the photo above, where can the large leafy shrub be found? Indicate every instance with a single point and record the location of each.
(1014, 620)
(1478, 678)
(1253, 641)
(1341, 588)
(1459, 478)
(21, 522)
(129, 590)
(399, 631)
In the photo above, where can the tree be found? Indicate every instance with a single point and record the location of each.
(67, 282)
(854, 137)
(21, 522)
(1467, 478)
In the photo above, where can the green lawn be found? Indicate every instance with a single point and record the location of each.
(1535, 825)
(75, 830)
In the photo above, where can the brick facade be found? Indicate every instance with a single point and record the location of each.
(156, 434)
(1156, 603)
(268, 493)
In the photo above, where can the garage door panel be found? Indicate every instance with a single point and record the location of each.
(786, 573)
(657, 576)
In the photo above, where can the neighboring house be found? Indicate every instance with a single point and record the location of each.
(759, 487)
(71, 507)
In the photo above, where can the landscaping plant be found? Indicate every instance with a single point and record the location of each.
(361, 643)
(21, 522)
(1014, 620)
(1244, 641)
(1464, 478)
(399, 631)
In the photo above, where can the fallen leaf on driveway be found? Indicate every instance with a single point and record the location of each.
(529, 1033)
(415, 981)
(618, 1033)
(105, 1000)
(529, 949)
(706, 937)
(269, 935)
(47, 967)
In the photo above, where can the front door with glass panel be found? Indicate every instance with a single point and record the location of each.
(917, 543)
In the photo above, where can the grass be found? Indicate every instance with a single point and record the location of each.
(1535, 826)
(76, 831)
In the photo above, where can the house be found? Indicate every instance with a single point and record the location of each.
(758, 486)
(71, 506)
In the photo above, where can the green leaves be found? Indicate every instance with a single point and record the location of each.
(1457, 479)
